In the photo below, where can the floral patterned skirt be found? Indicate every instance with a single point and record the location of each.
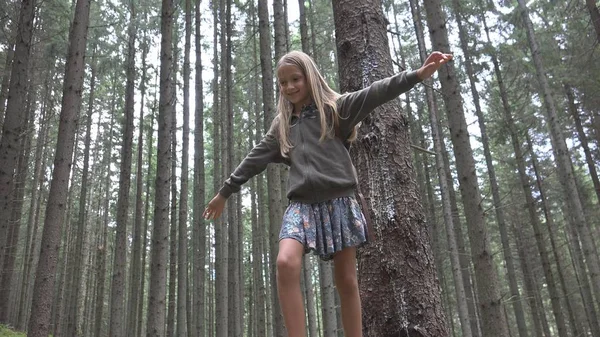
(325, 227)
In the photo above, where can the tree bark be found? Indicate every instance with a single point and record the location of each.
(487, 284)
(583, 138)
(136, 250)
(74, 74)
(182, 258)
(273, 181)
(400, 234)
(199, 233)
(160, 237)
(12, 127)
(594, 16)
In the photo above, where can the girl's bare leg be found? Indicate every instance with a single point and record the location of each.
(347, 285)
(289, 262)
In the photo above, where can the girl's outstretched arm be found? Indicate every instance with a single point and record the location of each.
(432, 64)
(265, 152)
(355, 106)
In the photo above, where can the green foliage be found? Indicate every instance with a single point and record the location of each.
(7, 332)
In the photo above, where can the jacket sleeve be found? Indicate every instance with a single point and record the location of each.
(355, 106)
(265, 152)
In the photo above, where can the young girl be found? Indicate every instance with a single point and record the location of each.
(308, 134)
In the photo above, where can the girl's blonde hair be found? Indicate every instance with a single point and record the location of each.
(321, 94)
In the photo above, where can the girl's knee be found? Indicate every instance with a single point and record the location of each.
(288, 264)
(346, 283)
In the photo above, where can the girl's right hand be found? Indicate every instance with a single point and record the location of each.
(215, 207)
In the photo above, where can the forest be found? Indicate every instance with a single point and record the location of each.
(119, 120)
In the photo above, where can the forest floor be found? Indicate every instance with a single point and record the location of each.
(6, 332)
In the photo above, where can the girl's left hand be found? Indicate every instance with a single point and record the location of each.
(432, 64)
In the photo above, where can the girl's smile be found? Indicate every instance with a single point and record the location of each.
(293, 86)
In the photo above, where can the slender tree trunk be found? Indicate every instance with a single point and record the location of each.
(583, 138)
(172, 282)
(497, 200)
(10, 53)
(31, 231)
(487, 283)
(404, 236)
(575, 213)
(220, 306)
(12, 128)
(140, 330)
(594, 16)
(199, 232)
(578, 260)
(81, 237)
(160, 237)
(273, 181)
(182, 275)
(117, 311)
(103, 241)
(327, 299)
(39, 323)
(8, 272)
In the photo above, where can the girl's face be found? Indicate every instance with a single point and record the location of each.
(293, 86)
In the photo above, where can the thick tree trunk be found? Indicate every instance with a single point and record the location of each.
(487, 285)
(575, 213)
(160, 237)
(382, 155)
(12, 127)
(39, 323)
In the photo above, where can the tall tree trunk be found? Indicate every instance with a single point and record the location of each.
(182, 275)
(8, 272)
(583, 138)
(594, 16)
(136, 250)
(172, 282)
(10, 54)
(117, 298)
(160, 237)
(487, 285)
(220, 306)
(103, 240)
(578, 260)
(81, 237)
(39, 323)
(140, 330)
(273, 181)
(403, 236)
(233, 261)
(497, 200)
(257, 216)
(575, 213)
(12, 128)
(327, 299)
(445, 182)
(32, 223)
(199, 232)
